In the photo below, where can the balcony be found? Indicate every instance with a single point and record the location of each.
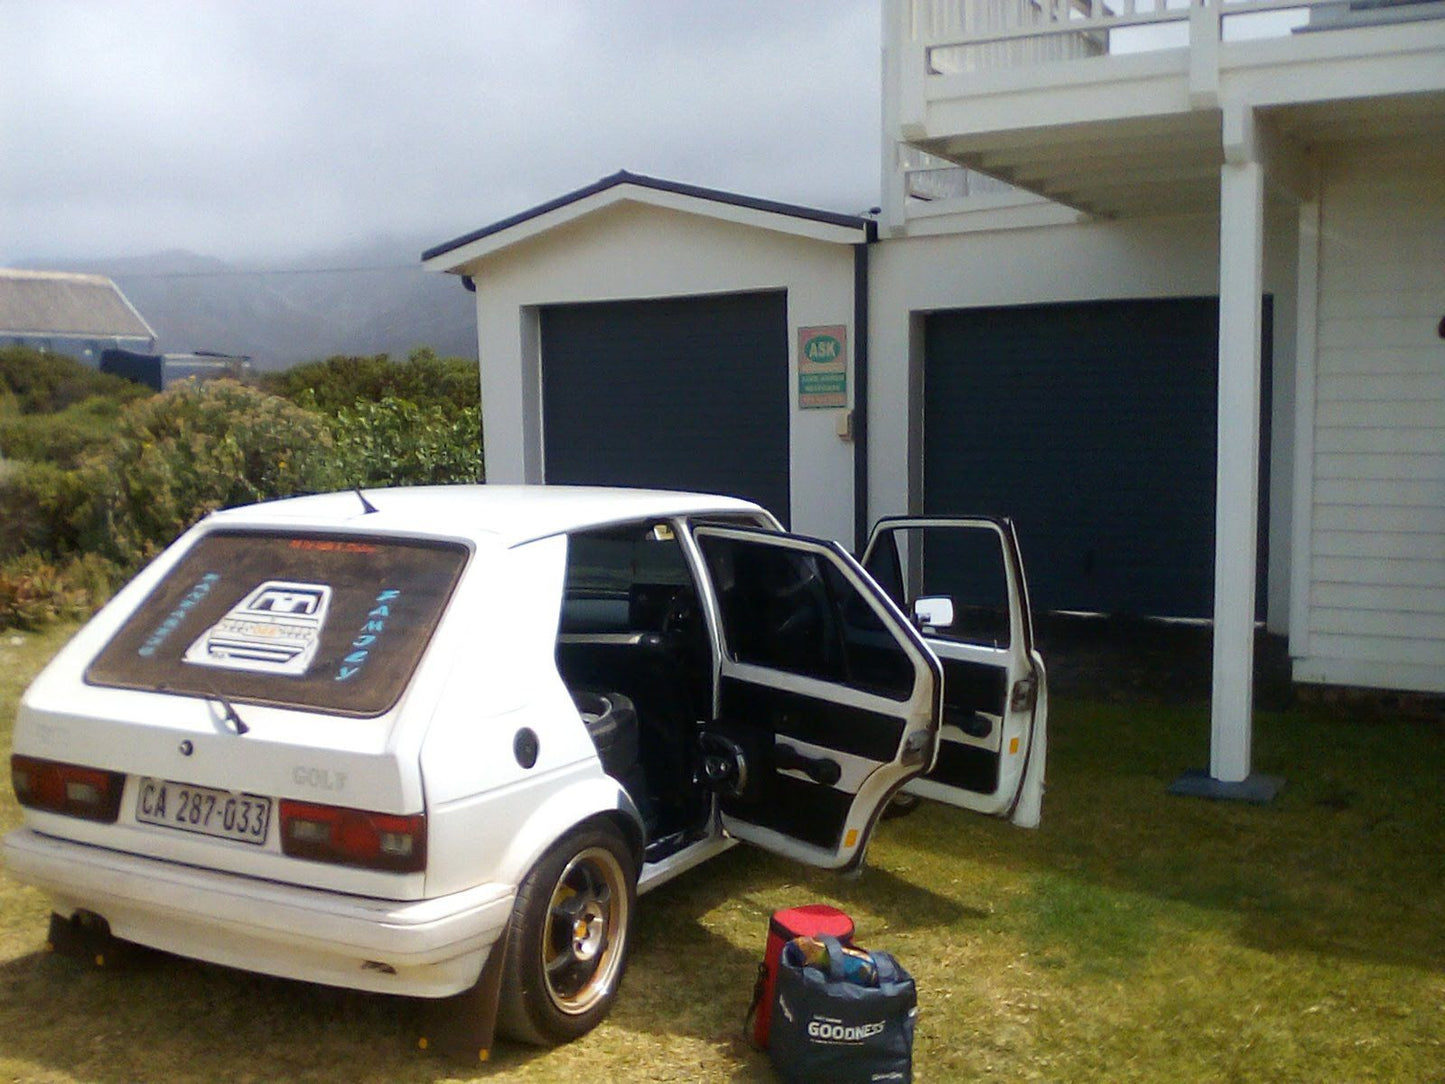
(1129, 107)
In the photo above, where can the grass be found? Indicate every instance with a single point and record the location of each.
(1134, 936)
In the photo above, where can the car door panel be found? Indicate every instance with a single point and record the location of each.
(810, 715)
(993, 742)
(809, 757)
(972, 694)
(824, 688)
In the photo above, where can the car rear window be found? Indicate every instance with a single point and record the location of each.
(335, 624)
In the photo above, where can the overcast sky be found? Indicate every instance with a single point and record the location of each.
(262, 130)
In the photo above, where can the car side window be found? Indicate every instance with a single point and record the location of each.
(623, 579)
(966, 567)
(791, 610)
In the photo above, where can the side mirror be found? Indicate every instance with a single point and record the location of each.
(934, 612)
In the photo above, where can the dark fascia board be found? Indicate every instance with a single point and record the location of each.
(812, 214)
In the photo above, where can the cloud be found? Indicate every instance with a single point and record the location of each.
(264, 129)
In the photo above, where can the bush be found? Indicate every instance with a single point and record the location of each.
(44, 383)
(424, 379)
(61, 437)
(191, 450)
(34, 591)
(42, 506)
(397, 442)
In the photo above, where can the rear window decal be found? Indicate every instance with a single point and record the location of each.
(332, 623)
(361, 645)
(275, 629)
(173, 619)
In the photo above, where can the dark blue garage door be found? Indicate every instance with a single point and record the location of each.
(683, 393)
(1093, 426)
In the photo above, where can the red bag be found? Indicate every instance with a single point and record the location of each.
(813, 920)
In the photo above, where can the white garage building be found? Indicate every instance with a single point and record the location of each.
(1167, 286)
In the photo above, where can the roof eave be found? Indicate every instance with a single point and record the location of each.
(458, 255)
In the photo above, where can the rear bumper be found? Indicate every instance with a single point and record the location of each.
(421, 948)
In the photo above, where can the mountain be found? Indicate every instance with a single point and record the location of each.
(363, 299)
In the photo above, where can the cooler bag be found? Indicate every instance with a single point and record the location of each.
(832, 1028)
(814, 920)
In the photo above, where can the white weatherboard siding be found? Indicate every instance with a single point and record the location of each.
(1375, 613)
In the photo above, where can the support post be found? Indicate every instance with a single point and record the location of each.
(1241, 287)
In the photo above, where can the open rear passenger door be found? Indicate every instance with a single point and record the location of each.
(827, 698)
(962, 579)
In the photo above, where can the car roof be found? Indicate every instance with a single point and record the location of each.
(504, 514)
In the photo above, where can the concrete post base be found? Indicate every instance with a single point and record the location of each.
(1197, 783)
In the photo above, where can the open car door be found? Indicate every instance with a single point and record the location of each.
(963, 581)
(827, 699)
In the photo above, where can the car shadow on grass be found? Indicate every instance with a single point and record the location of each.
(161, 1018)
(696, 944)
(157, 1017)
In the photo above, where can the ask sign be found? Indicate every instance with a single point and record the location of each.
(823, 366)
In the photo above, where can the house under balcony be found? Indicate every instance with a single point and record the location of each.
(1265, 178)
(1163, 280)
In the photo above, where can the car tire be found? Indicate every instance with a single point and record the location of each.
(902, 804)
(611, 721)
(567, 941)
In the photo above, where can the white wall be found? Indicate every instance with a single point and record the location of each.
(1067, 261)
(634, 251)
(1374, 611)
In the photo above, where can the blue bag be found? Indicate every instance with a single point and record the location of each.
(825, 1027)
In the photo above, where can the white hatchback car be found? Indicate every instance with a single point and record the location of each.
(434, 743)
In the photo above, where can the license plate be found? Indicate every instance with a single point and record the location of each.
(226, 814)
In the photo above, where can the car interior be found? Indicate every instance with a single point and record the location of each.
(633, 649)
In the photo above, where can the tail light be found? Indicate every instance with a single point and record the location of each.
(69, 789)
(353, 837)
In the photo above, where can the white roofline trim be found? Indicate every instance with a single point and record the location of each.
(458, 260)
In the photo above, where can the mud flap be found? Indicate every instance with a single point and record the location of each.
(464, 1025)
(87, 937)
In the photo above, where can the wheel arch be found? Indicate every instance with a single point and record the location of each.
(595, 800)
(629, 827)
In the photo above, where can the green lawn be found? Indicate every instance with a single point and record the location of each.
(1134, 936)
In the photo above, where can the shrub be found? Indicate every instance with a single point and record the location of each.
(193, 449)
(44, 383)
(425, 379)
(398, 442)
(61, 437)
(35, 591)
(42, 507)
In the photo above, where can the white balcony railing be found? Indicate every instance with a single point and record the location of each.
(930, 179)
(971, 35)
(969, 83)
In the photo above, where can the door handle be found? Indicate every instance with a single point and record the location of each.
(819, 769)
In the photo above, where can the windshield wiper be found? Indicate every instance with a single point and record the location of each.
(229, 711)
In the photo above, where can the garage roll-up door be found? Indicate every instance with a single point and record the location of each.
(681, 393)
(1092, 425)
